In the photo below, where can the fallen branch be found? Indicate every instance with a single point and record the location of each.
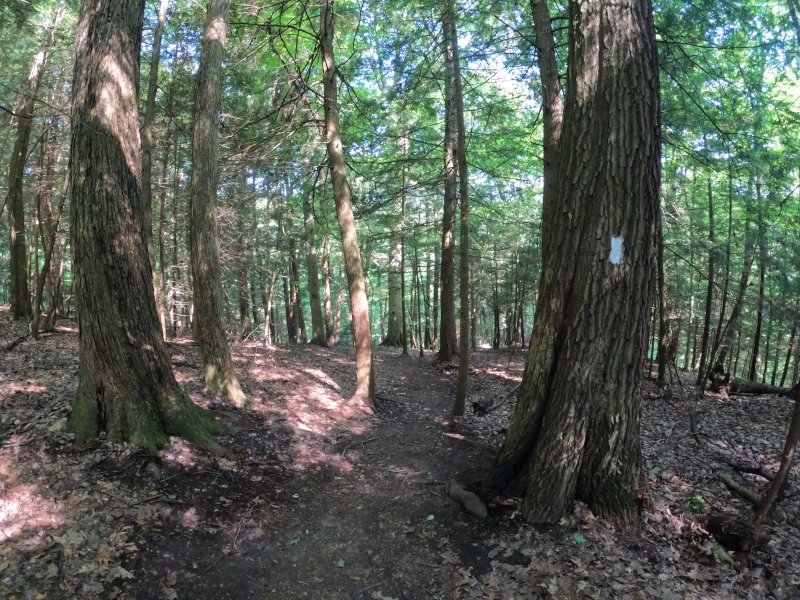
(743, 491)
(15, 343)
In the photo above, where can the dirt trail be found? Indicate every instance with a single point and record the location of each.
(366, 517)
(316, 500)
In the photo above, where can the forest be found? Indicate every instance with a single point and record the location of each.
(399, 300)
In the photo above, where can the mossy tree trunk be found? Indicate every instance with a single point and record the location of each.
(209, 328)
(575, 429)
(126, 387)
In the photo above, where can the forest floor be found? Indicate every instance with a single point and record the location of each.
(315, 501)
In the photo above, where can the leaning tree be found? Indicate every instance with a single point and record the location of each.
(126, 386)
(575, 429)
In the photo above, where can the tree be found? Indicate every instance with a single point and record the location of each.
(126, 387)
(575, 429)
(209, 329)
(447, 325)
(20, 293)
(359, 307)
(451, 50)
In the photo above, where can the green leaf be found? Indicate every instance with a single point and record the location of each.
(655, 471)
(340, 564)
(429, 517)
(294, 541)
(579, 538)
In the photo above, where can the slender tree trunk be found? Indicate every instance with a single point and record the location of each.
(789, 350)
(312, 271)
(787, 458)
(712, 262)
(208, 298)
(147, 152)
(359, 306)
(753, 373)
(295, 294)
(575, 429)
(552, 109)
(394, 333)
(125, 382)
(727, 277)
(19, 290)
(330, 335)
(451, 49)
(663, 309)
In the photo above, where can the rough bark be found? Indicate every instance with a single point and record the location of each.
(220, 378)
(447, 324)
(126, 387)
(18, 284)
(451, 38)
(359, 306)
(575, 429)
(553, 111)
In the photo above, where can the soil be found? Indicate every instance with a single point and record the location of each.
(315, 499)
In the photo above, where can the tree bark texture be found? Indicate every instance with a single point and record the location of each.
(220, 378)
(19, 289)
(126, 386)
(575, 429)
(447, 323)
(451, 39)
(359, 306)
(552, 109)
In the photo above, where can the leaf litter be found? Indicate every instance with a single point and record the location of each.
(312, 500)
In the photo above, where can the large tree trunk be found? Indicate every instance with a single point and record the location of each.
(575, 429)
(451, 56)
(126, 386)
(19, 290)
(447, 325)
(359, 306)
(209, 329)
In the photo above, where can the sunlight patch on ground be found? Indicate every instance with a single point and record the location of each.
(180, 453)
(323, 377)
(307, 456)
(23, 509)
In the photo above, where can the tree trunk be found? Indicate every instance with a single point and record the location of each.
(394, 332)
(552, 109)
(125, 382)
(451, 49)
(359, 306)
(760, 308)
(575, 429)
(220, 377)
(19, 290)
(712, 258)
(789, 351)
(787, 458)
(330, 334)
(447, 331)
(147, 152)
(312, 271)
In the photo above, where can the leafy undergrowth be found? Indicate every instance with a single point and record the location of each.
(315, 500)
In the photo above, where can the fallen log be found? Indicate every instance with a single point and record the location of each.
(723, 383)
